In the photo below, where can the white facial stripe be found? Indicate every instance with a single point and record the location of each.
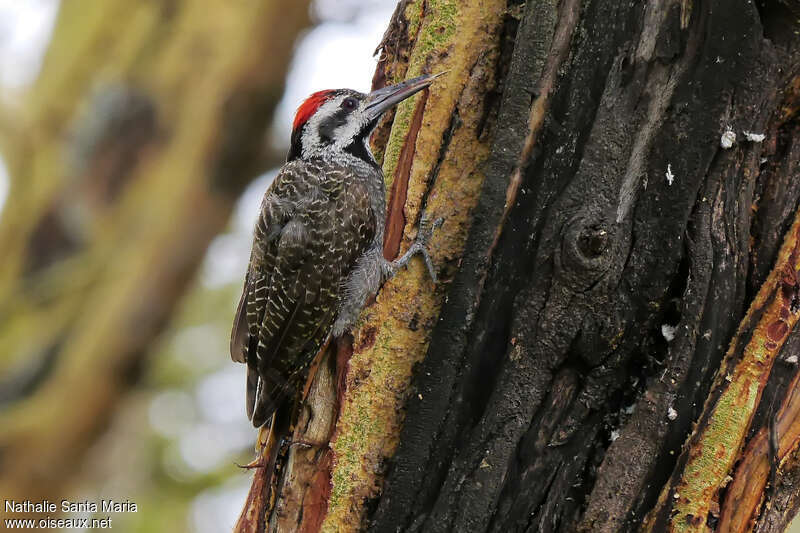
(356, 121)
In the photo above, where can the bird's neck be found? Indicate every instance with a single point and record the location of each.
(358, 150)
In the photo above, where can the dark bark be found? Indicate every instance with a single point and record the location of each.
(550, 399)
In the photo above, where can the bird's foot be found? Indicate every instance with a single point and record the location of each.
(420, 247)
(258, 462)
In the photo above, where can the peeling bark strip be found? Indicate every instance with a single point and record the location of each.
(395, 218)
(395, 49)
(304, 488)
(260, 501)
(714, 446)
(745, 494)
(554, 25)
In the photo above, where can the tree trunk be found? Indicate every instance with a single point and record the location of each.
(146, 122)
(620, 185)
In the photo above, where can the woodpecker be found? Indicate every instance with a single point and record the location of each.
(317, 247)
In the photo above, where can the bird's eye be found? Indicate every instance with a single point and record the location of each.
(349, 103)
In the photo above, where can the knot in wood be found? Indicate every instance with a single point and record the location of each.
(584, 254)
(593, 242)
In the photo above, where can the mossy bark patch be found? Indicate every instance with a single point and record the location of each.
(715, 445)
(442, 180)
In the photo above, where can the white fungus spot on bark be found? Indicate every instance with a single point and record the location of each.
(672, 414)
(754, 137)
(668, 332)
(670, 175)
(727, 139)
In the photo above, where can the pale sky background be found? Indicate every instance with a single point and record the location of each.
(25, 26)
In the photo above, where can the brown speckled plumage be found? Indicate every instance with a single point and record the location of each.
(316, 254)
(300, 260)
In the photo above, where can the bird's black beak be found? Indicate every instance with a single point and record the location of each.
(380, 101)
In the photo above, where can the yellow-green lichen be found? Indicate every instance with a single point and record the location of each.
(386, 346)
(434, 37)
(714, 449)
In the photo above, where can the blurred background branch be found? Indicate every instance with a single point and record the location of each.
(148, 119)
(125, 149)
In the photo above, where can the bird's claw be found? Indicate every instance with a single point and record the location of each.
(255, 463)
(425, 233)
(420, 246)
(426, 229)
(429, 266)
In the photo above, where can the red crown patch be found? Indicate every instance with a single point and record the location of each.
(309, 107)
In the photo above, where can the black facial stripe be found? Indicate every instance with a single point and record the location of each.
(358, 147)
(327, 127)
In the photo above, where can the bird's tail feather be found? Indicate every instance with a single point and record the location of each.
(264, 396)
(252, 390)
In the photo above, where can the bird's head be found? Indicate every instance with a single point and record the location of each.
(342, 120)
